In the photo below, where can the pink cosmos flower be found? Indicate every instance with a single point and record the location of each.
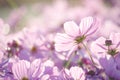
(75, 73)
(108, 53)
(74, 34)
(32, 43)
(24, 70)
(110, 46)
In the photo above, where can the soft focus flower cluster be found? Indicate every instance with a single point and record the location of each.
(62, 42)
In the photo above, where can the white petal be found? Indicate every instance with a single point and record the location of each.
(115, 37)
(76, 72)
(71, 28)
(63, 38)
(98, 45)
(64, 47)
(45, 77)
(71, 51)
(88, 26)
(67, 72)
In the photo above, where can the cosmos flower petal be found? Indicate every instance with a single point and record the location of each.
(77, 73)
(71, 28)
(88, 26)
(98, 45)
(115, 37)
(64, 47)
(20, 68)
(63, 38)
(74, 48)
(36, 68)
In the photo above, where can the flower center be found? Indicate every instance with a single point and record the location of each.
(112, 52)
(13, 48)
(24, 78)
(34, 49)
(108, 42)
(80, 39)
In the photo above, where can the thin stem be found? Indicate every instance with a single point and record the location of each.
(68, 62)
(89, 53)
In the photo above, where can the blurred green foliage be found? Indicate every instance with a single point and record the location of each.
(15, 3)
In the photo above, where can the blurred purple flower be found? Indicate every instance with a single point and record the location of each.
(111, 65)
(33, 45)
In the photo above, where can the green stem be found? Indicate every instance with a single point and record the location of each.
(89, 53)
(68, 62)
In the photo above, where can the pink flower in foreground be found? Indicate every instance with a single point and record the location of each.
(24, 70)
(74, 34)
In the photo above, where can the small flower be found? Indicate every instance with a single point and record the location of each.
(75, 73)
(33, 45)
(24, 70)
(110, 46)
(74, 34)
